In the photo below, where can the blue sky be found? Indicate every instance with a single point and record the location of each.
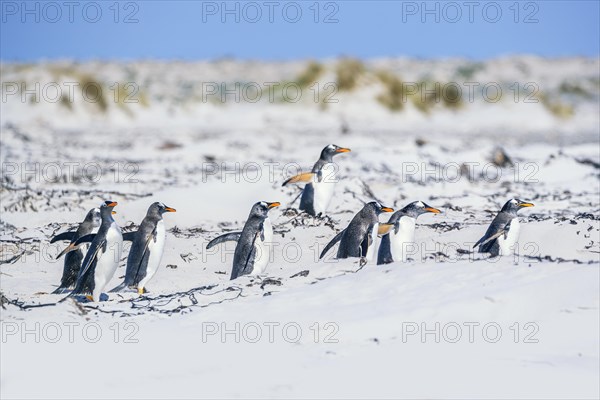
(284, 30)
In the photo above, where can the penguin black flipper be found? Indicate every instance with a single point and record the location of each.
(488, 242)
(332, 243)
(136, 271)
(307, 200)
(75, 245)
(90, 261)
(232, 236)
(499, 226)
(67, 236)
(73, 261)
(247, 255)
(87, 268)
(85, 239)
(129, 236)
(384, 256)
(248, 266)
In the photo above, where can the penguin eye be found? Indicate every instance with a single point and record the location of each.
(420, 204)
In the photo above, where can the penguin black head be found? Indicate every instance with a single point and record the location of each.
(261, 208)
(107, 207)
(417, 208)
(514, 205)
(159, 208)
(378, 208)
(331, 150)
(93, 217)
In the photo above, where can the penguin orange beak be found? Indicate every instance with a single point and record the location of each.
(112, 204)
(170, 209)
(432, 210)
(343, 150)
(526, 205)
(272, 205)
(387, 209)
(113, 212)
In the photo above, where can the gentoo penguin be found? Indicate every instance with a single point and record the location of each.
(399, 232)
(503, 233)
(251, 253)
(73, 258)
(359, 237)
(103, 256)
(318, 192)
(147, 248)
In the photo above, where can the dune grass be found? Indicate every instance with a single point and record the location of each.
(348, 71)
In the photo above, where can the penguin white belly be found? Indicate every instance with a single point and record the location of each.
(507, 244)
(262, 248)
(155, 250)
(108, 261)
(371, 249)
(403, 241)
(323, 191)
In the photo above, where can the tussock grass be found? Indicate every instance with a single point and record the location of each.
(310, 75)
(574, 89)
(556, 107)
(393, 96)
(348, 71)
(433, 93)
(429, 94)
(468, 71)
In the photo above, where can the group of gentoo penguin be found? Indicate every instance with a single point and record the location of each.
(89, 275)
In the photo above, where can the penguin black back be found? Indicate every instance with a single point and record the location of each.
(500, 227)
(149, 232)
(253, 234)
(356, 239)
